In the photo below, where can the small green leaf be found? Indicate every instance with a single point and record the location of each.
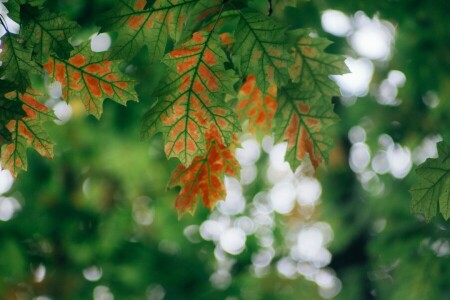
(433, 188)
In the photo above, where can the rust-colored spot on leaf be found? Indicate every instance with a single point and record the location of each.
(256, 107)
(204, 178)
(92, 80)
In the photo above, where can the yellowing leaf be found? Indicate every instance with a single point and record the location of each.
(257, 107)
(204, 178)
(260, 44)
(137, 25)
(91, 77)
(191, 99)
(26, 132)
(302, 122)
(433, 189)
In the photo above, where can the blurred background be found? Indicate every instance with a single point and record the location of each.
(97, 222)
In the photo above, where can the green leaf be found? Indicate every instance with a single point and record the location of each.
(302, 121)
(191, 99)
(14, 7)
(260, 44)
(312, 66)
(9, 110)
(138, 26)
(17, 64)
(433, 188)
(47, 32)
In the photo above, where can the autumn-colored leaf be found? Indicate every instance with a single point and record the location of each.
(256, 107)
(313, 66)
(92, 78)
(260, 45)
(26, 132)
(46, 32)
(433, 189)
(17, 64)
(137, 25)
(191, 99)
(204, 178)
(302, 122)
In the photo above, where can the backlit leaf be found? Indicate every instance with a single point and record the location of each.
(17, 64)
(26, 132)
(302, 122)
(91, 77)
(204, 178)
(433, 189)
(191, 99)
(260, 44)
(137, 25)
(47, 32)
(257, 107)
(313, 66)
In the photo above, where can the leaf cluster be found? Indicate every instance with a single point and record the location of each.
(229, 65)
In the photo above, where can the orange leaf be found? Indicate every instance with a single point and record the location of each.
(204, 178)
(256, 107)
(26, 132)
(92, 78)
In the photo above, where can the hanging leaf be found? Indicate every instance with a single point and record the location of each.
(257, 108)
(137, 25)
(9, 110)
(433, 189)
(92, 78)
(26, 132)
(17, 64)
(14, 6)
(204, 178)
(46, 32)
(260, 44)
(191, 99)
(313, 66)
(302, 122)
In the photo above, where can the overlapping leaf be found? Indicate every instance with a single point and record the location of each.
(313, 66)
(91, 77)
(204, 178)
(191, 99)
(433, 189)
(256, 107)
(138, 25)
(302, 122)
(17, 64)
(260, 44)
(14, 6)
(46, 32)
(9, 110)
(26, 131)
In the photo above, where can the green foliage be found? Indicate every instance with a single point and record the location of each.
(233, 67)
(434, 188)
